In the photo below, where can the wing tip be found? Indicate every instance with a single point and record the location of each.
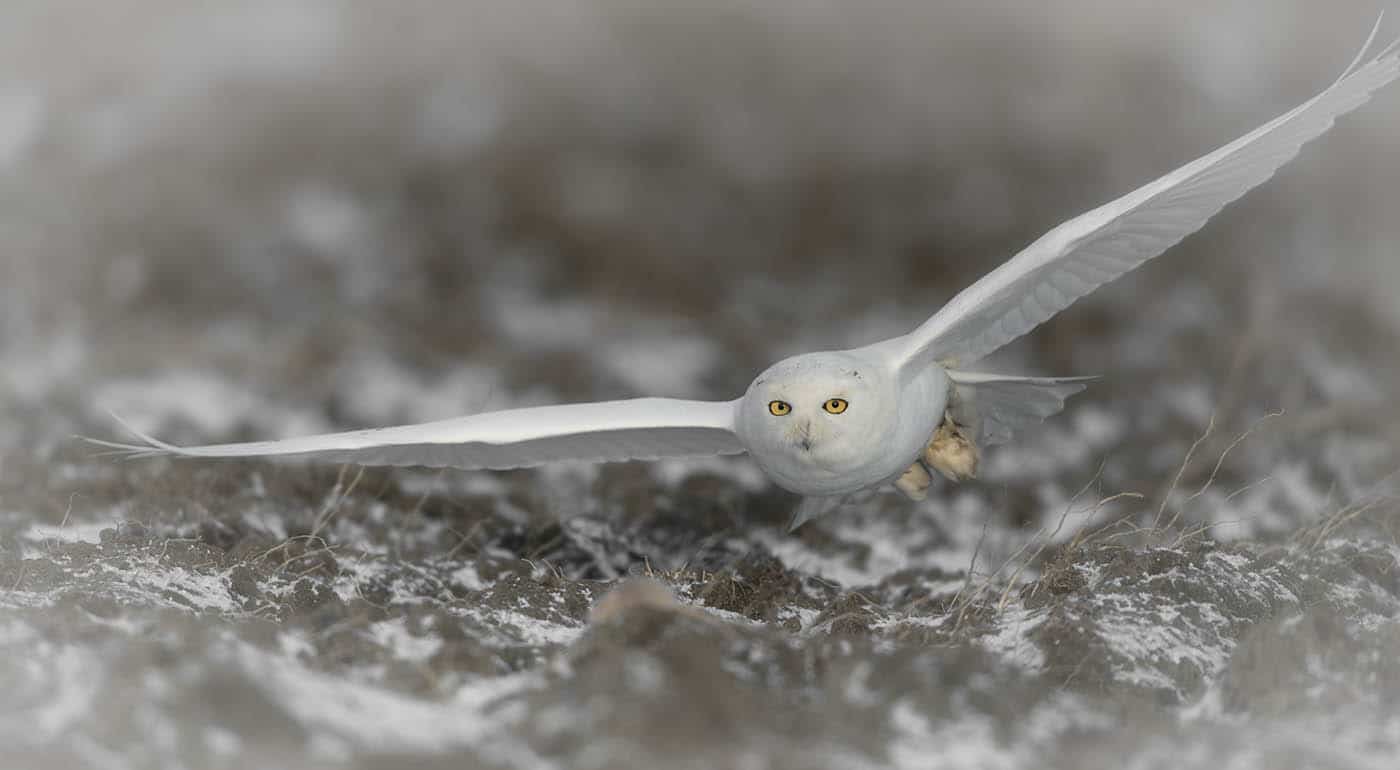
(1361, 55)
(150, 446)
(1363, 58)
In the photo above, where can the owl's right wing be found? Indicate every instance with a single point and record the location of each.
(638, 429)
(1084, 253)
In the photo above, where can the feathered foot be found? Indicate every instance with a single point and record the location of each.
(915, 482)
(952, 452)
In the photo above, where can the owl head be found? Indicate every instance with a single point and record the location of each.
(814, 420)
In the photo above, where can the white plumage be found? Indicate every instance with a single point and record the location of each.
(638, 429)
(1094, 248)
(826, 424)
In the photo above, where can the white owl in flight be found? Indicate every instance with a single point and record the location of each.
(827, 424)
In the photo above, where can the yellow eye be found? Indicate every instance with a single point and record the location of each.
(779, 408)
(835, 405)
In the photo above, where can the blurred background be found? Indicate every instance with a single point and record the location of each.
(521, 185)
(272, 217)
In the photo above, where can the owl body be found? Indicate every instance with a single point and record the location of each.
(835, 422)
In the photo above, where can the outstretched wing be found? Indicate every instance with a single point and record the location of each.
(639, 429)
(1094, 248)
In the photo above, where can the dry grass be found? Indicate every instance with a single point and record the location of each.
(988, 594)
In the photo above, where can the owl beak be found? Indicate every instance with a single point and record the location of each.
(804, 435)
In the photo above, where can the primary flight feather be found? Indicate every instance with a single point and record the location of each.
(827, 424)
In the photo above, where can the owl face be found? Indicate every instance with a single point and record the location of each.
(815, 422)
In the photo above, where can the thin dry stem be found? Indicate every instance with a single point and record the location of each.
(1181, 471)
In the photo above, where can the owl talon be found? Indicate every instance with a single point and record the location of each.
(952, 452)
(914, 483)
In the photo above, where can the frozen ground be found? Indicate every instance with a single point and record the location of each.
(294, 217)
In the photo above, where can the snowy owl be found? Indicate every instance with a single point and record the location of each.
(825, 425)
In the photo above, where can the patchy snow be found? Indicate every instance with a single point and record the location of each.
(51, 692)
(67, 532)
(969, 741)
(515, 628)
(295, 645)
(147, 580)
(378, 391)
(741, 470)
(467, 577)
(273, 523)
(728, 616)
(32, 372)
(1011, 641)
(18, 599)
(884, 548)
(15, 631)
(216, 406)
(133, 577)
(664, 362)
(393, 635)
(1156, 646)
(369, 717)
(1060, 446)
(530, 322)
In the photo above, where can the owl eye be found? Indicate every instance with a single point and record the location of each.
(779, 408)
(835, 405)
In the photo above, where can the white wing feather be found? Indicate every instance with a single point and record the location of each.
(1101, 245)
(639, 429)
(996, 407)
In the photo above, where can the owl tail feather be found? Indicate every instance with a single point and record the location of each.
(992, 408)
(811, 508)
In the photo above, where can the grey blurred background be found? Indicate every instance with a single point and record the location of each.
(484, 181)
(229, 220)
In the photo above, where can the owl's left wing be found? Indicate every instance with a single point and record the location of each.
(995, 407)
(1101, 245)
(639, 429)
